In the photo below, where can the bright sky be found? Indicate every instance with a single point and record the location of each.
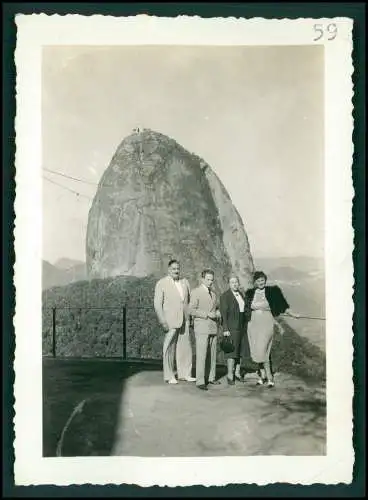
(255, 114)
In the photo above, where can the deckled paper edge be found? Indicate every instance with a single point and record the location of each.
(33, 469)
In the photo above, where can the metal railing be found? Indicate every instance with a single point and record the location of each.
(68, 323)
(109, 333)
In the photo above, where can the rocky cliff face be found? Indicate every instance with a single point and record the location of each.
(157, 201)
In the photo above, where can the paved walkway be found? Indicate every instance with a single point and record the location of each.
(157, 419)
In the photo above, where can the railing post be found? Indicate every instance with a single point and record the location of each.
(54, 332)
(124, 333)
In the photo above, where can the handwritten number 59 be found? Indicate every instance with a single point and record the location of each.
(330, 31)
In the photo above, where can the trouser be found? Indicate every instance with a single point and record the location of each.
(206, 346)
(177, 341)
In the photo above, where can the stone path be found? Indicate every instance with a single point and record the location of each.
(156, 419)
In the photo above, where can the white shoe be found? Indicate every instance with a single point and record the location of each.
(172, 381)
(189, 379)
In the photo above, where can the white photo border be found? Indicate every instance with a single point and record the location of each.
(38, 30)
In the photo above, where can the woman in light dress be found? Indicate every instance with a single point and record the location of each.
(265, 303)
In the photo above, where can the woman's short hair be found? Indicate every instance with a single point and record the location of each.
(259, 274)
(207, 271)
(232, 277)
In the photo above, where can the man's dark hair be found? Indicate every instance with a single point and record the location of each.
(207, 271)
(173, 261)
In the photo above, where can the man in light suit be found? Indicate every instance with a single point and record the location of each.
(203, 308)
(171, 303)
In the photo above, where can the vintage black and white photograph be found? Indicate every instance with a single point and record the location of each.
(183, 250)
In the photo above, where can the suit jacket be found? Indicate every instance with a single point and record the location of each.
(274, 296)
(202, 303)
(230, 312)
(170, 307)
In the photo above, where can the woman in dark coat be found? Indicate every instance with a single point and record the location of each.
(265, 304)
(233, 314)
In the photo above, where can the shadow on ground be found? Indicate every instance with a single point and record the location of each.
(81, 404)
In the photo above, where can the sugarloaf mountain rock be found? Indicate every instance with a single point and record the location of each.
(158, 201)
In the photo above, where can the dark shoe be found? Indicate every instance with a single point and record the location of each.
(202, 387)
(214, 382)
(270, 384)
(230, 382)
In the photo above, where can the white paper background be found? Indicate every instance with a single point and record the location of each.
(30, 468)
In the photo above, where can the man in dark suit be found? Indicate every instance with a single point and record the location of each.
(234, 315)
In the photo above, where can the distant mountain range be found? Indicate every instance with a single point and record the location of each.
(63, 272)
(290, 270)
(66, 263)
(298, 264)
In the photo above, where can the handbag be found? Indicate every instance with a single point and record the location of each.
(227, 345)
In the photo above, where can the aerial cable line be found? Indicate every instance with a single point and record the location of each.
(68, 189)
(76, 178)
(70, 177)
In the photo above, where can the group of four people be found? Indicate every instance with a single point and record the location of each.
(245, 317)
